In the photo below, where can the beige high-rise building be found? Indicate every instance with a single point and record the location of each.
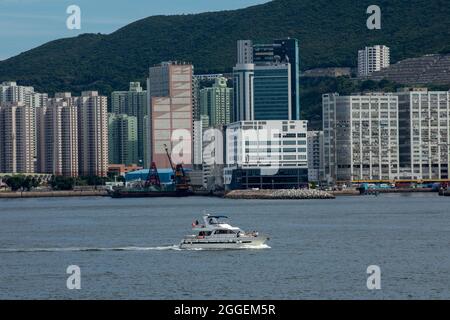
(17, 138)
(11, 92)
(171, 113)
(58, 136)
(93, 134)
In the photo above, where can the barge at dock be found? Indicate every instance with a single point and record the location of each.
(152, 186)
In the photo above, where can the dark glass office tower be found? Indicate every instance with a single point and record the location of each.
(288, 49)
(283, 50)
(263, 54)
(272, 92)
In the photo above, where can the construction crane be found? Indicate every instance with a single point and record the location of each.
(153, 177)
(169, 157)
(181, 179)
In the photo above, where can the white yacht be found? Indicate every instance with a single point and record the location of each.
(215, 233)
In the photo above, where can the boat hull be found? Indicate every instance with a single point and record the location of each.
(232, 244)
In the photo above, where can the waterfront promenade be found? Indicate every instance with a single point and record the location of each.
(236, 194)
(52, 194)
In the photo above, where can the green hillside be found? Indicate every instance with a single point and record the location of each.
(330, 33)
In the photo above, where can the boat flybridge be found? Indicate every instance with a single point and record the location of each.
(216, 233)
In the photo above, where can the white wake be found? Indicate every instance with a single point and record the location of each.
(83, 249)
(99, 249)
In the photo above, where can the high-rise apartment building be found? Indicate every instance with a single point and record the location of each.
(217, 102)
(315, 156)
(57, 138)
(196, 108)
(171, 113)
(11, 92)
(133, 103)
(244, 52)
(208, 76)
(17, 138)
(123, 139)
(199, 128)
(424, 121)
(373, 59)
(147, 142)
(361, 140)
(93, 134)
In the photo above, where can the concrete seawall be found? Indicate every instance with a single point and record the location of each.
(52, 194)
(279, 194)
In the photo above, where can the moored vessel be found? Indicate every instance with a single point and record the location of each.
(152, 186)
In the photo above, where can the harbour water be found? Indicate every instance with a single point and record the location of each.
(319, 249)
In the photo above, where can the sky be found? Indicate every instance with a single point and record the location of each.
(26, 24)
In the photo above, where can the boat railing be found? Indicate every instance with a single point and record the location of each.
(198, 226)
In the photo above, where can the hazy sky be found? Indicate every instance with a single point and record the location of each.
(25, 24)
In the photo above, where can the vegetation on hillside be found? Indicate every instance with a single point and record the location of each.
(330, 33)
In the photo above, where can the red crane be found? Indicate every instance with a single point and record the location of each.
(153, 177)
(180, 177)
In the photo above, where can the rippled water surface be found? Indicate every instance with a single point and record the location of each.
(127, 249)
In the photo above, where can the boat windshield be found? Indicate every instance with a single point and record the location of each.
(216, 219)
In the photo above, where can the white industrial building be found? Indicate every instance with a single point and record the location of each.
(424, 118)
(361, 140)
(266, 154)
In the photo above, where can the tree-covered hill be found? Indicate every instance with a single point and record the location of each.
(330, 33)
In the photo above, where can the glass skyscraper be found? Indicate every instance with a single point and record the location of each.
(272, 92)
(287, 51)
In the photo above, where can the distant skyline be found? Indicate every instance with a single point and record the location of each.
(26, 24)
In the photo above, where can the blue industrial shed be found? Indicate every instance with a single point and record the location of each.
(165, 175)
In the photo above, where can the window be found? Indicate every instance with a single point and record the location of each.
(224, 232)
